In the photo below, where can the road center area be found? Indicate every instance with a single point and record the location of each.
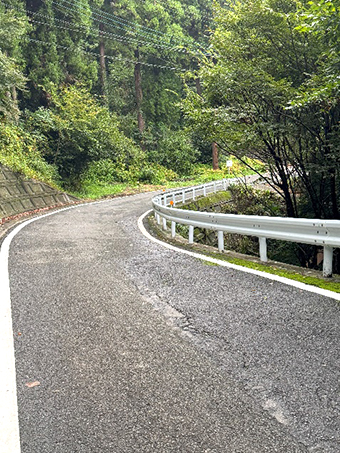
(123, 346)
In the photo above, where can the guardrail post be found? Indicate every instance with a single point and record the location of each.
(204, 191)
(263, 249)
(174, 199)
(173, 229)
(214, 186)
(224, 184)
(191, 234)
(164, 223)
(327, 261)
(183, 196)
(220, 236)
(193, 194)
(158, 218)
(164, 199)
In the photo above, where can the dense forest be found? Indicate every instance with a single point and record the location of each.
(272, 92)
(90, 90)
(143, 91)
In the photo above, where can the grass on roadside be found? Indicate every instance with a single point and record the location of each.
(328, 284)
(98, 191)
(332, 284)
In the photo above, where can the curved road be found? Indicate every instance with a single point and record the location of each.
(135, 348)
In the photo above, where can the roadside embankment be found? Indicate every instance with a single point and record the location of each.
(21, 196)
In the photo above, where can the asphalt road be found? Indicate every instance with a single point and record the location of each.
(136, 348)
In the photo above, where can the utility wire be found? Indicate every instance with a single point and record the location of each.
(108, 56)
(74, 27)
(110, 36)
(145, 36)
(111, 20)
(63, 27)
(103, 21)
(144, 41)
(125, 22)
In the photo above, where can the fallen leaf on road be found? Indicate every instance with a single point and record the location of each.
(32, 384)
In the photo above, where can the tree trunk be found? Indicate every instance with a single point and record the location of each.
(198, 86)
(215, 156)
(102, 61)
(333, 184)
(139, 93)
(214, 145)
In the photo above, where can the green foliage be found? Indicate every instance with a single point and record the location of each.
(13, 27)
(94, 191)
(270, 269)
(79, 130)
(204, 173)
(105, 171)
(250, 201)
(57, 52)
(161, 36)
(174, 151)
(320, 20)
(55, 48)
(160, 101)
(156, 174)
(252, 103)
(21, 151)
(11, 78)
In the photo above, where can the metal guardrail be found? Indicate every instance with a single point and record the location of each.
(325, 233)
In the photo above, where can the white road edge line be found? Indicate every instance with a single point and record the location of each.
(9, 420)
(277, 278)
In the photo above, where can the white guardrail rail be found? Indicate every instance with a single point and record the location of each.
(325, 233)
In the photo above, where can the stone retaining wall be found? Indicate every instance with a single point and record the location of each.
(19, 194)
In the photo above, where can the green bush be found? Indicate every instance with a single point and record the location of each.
(105, 171)
(156, 174)
(79, 130)
(20, 151)
(174, 151)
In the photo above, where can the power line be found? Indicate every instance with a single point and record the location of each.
(103, 21)
(145, 41)
(109, 57)
(110, 36)
(113, 20)
(125, 22)
(74, 29)
(145, 36)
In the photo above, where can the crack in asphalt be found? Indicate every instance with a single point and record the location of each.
(256, 371)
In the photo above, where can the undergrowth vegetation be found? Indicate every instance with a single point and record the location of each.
(22, 152)
(274, 270)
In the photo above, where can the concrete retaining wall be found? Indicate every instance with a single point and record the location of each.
(19, 194)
